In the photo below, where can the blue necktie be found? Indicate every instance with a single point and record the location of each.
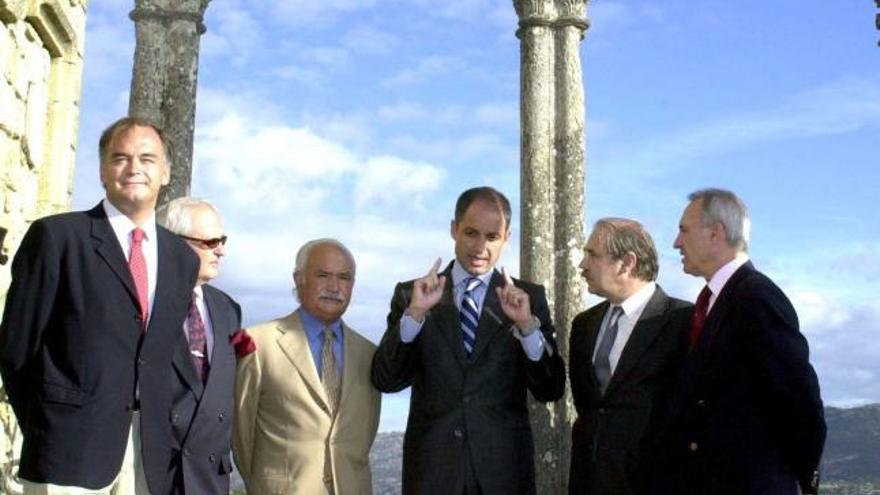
(469, 316)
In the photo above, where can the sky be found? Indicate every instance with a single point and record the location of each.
(364, 119)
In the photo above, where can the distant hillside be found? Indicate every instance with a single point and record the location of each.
(850, 465)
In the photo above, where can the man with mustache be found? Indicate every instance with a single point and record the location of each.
(625, 353)
(306, 413)
(471, 341)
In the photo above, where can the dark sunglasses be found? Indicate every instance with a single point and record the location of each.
(208, 243)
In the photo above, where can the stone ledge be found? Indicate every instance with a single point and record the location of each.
(52, 23)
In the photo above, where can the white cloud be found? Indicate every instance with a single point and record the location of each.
(389, 181)
(498, 113)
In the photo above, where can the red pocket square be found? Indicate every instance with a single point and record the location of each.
(243, 343)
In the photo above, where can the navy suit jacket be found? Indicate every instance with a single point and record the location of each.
(201, 415)
(72, 350)
(468, 407)
(746, 417)
(611, 439)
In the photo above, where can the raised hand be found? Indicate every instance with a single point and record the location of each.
(515, 302)
(426, 292)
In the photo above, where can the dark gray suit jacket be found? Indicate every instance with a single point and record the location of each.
(468, 407)
(201, 415)
(611, 440)
(747, 418)
(72, 350)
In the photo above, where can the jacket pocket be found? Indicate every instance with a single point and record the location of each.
(60, 394)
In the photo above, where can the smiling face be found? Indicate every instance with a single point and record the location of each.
(324, 287)
(133, 169)
(206, 225)
(479, 237)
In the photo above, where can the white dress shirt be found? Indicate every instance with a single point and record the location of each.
(722, 275)
(632, 307)
(122, 227)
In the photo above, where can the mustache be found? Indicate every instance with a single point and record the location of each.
(333, 296)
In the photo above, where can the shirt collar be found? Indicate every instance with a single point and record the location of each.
(315, 326)
(639, 299)
(459, 275)
(723, 274)
(122, 223)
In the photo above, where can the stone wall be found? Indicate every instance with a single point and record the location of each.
(41, 57)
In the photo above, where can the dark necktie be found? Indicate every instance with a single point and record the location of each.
(137, 265)
(699, 317)
(330, 370)
(602, 366)
(198, 342)
(469, 316)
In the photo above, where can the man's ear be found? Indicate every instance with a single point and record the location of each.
(628, 262)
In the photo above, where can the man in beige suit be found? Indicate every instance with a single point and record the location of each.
(306, 412)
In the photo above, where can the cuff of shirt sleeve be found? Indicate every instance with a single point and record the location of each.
(409, 328)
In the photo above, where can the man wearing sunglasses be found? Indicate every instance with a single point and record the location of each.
(204, 365)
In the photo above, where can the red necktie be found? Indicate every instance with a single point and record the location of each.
(700, 311)
(137, 264)
(198, 342)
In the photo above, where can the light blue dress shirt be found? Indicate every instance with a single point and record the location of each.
(315, 334)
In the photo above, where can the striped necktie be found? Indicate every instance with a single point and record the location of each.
(469, 315)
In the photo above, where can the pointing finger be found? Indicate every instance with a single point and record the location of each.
(435, 268)
(507, 279)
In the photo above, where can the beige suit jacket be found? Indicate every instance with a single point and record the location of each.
(285, 440)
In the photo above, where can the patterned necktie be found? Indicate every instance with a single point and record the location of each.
(198, 342)
(329, 370)
(469, 316)
(700, 312)
(137, 265)
(602, 366)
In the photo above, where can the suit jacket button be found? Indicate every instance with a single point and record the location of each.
(467, 399)
(142, 361)
(601, 410)
(458, 433)
(186, 453)
(220, 416)
(174, 418)
(328, 479)
(701, 403)
(212, 458)
(693, 446)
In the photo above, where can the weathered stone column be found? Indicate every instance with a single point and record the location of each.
(163, 84)
(536, 197)
(568, 29)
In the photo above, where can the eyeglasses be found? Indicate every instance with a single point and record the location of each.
(207, 243)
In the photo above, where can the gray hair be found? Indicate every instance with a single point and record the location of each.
(302, 256)
(621, 236)
(176, 215)
(725, 207)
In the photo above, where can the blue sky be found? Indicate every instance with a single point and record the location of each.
(364, 119)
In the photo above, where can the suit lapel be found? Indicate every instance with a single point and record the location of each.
(593, 326)
(445, 316)
(721, 306)
(295, 345)
(643, 334)
(108, 248)
(492, 317)
(349, 364)
(221, 322)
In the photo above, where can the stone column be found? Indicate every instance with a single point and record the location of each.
(537, 196)
(568, 30)
(163, 84)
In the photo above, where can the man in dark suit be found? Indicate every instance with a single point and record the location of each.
(470, 341)
(624, 354)
(96, 303)
(204, 364)
(747, 418)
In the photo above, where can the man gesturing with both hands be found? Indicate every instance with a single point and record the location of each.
(470, 341)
